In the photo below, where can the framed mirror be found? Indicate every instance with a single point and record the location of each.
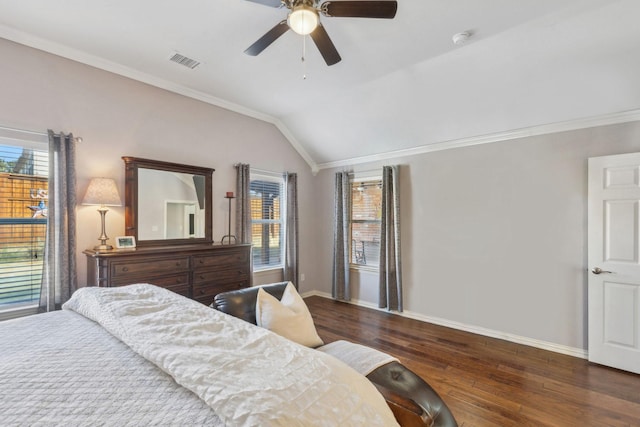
(167, 203)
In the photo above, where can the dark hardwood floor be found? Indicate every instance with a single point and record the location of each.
(487, 381)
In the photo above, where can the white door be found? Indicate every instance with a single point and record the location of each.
(614, 264)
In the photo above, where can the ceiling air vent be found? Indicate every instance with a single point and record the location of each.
(183, 60)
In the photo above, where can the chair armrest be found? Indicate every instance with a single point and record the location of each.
(404, 391)
(407, 412)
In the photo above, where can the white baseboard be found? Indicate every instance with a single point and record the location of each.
(544, 345)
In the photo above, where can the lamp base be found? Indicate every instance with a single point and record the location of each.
(103, 237)
(102, 248)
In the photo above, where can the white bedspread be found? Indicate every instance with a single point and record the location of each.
(62, 369)
(248, 375)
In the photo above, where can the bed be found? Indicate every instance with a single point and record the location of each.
(142, 355)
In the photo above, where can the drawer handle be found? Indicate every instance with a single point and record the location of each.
(201, 277)
(125, 268)
(201, 291)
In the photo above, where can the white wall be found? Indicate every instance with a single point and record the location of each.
(119, 117)
(494, 236)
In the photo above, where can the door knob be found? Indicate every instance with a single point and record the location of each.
(598, 270)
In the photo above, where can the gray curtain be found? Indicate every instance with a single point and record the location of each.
(243, 207)
(290, 271)
(342, 203)
(59, 278)
(390, 260)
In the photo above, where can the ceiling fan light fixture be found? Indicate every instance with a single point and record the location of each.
(303, 19)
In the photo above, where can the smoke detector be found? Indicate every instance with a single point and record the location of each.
(461, 38)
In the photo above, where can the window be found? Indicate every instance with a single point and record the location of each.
(366, 212)
(267, 199)
(23, 222)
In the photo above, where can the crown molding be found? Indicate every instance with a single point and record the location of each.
(115, 68)
(102, 64)
(296, 145)
(584, 123)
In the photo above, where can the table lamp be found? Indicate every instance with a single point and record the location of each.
(102, 192)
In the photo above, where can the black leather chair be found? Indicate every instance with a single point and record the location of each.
(412, 400)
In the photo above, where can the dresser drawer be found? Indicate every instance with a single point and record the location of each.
(150, 266)
(217, 277)
(172, 283)
(206, 293)
(164, 281)
(233, 256)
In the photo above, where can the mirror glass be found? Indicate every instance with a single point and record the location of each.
(167, 203)
(170, 205)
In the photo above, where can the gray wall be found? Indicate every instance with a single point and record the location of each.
(494, 236)
(119, 117)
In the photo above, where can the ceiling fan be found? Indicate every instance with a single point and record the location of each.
(304, 18)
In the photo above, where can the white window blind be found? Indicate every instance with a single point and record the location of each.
(23, 221)
(267, 199)
(366, 205)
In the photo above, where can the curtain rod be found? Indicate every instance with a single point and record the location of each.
(32, 132)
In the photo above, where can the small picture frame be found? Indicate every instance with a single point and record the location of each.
(125, 242)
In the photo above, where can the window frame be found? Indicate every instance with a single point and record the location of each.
(278, 178)
(13, 138)
(353, 179)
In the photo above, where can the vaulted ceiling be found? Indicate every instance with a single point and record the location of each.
(402, 84)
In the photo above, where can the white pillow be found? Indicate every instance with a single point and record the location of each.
(288, 317)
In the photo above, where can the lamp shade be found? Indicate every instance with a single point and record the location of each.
(303, 19)
(102, 191)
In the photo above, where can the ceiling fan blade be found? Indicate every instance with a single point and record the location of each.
(263, 42)
(325, 45)
(270, 3)
(385, 9)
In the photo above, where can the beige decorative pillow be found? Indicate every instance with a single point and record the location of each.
(288, 317)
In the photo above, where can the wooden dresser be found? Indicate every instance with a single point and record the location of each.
(199, 272)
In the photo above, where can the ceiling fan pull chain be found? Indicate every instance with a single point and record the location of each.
(304, 55)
